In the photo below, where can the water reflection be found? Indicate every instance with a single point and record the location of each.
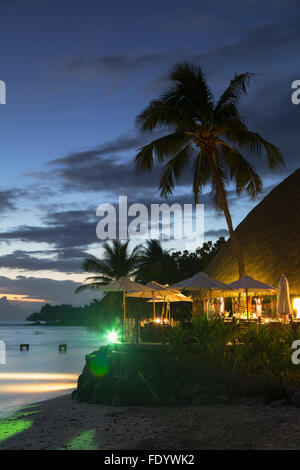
(22, 383)
(41, 372)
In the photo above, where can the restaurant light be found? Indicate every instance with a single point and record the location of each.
(296, 306)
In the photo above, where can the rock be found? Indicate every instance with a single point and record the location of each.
(189, 391)
(251, 401)
(222, 399)
(273, 393)
(172, 401)
(296, 399)
(116, 401)
(283, 402)
(290, 390)
(200, 400)
(215, 390)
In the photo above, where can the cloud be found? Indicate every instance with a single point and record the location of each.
(216, 233)
(122, 143)
(111, 64)
(65, 229)
(8, 199)
(46, 289)
(66, 261)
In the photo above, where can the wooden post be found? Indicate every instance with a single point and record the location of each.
(124, 318)
(153, 302)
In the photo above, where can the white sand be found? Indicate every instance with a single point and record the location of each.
(62, 423)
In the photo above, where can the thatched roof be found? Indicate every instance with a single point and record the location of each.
(270, 239)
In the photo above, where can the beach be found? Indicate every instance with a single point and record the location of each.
(64, 424)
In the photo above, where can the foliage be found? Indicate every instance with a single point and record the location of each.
(179, 339)
(177, 265)
(203, 131)
(117, 262)
(267, 349)
(150, 253)
(61, 314)
(99, 315)
(248, 350)
(147, 263)
(211, 337)
(209, 136)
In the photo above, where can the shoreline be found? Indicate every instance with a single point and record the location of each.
(62, 423)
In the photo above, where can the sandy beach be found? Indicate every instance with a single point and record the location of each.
(62, 423)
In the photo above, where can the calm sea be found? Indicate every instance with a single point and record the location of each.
(42, 372)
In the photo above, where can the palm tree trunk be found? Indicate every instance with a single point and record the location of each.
(234, 240)
(224, 204)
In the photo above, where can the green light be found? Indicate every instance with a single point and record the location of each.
(99, 366)
(85, 441)
(112, 336)
(9, 428)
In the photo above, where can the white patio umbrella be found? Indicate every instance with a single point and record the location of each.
(125, 285)
(284, 301)
(153, 290)
(249, 285)
(171, 297)
(201, 281)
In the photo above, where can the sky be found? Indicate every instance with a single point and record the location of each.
(77, 74)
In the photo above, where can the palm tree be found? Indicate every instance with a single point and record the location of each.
(209, 135)
(116, 262)
(151, 253)
(153, 262)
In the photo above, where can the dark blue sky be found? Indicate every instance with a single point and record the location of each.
(77, 74)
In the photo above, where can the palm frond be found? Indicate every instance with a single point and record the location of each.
(163, 115)
(190, 92)
(159, 149)
(95, 265)
(117, 262)
(173, 169)
(238, 133)
(91, 286)
(241, 171)
(236, 89)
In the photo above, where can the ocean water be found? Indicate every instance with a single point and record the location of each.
(42, 372)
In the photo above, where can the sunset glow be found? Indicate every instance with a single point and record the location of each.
(21, 298)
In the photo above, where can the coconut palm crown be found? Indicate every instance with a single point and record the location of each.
(206, 135)
(151, 252)
(117, 261)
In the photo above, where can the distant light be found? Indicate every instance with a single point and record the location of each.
(112, 336)
(37, 376)
(36, 388)
(296, 305)
(157, 320)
